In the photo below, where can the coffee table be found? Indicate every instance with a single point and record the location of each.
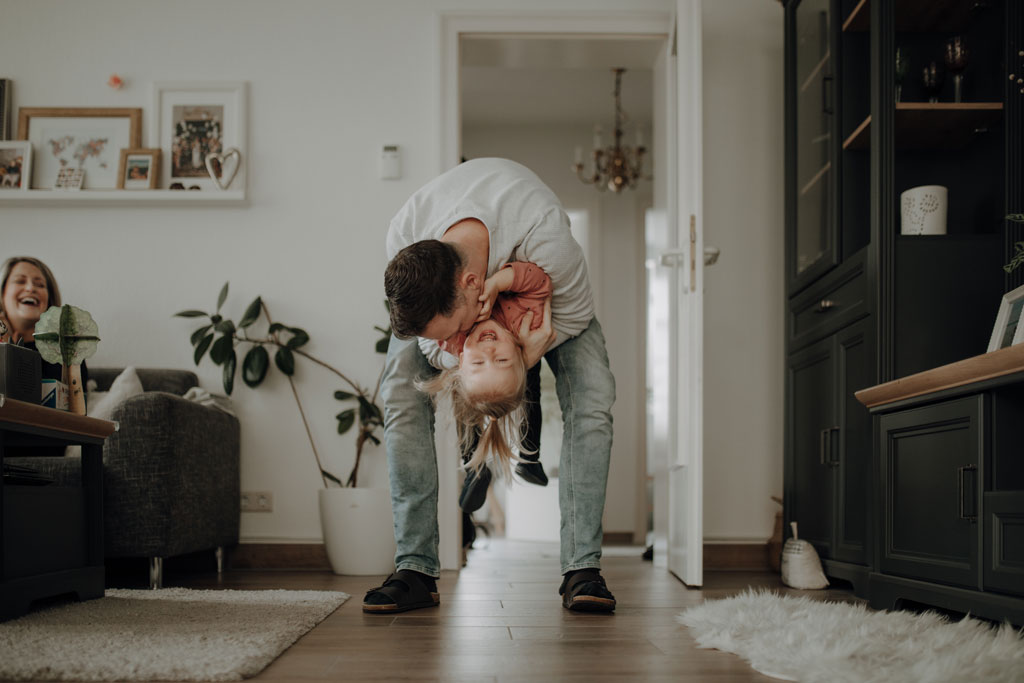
(51, 537)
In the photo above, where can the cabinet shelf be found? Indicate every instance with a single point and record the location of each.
(52, 198)
(815, 71)
(917, 16)
(932, 125)
(816, 179)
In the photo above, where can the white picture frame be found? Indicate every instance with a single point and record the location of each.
(15, 165)
(1009, 327)
(212, 115)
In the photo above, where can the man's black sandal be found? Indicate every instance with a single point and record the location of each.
(584, 590)
(402, 591)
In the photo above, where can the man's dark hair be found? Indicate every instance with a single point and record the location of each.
(420, 284)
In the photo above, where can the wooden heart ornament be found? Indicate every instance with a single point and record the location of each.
(226, 163)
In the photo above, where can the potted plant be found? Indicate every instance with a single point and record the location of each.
(356, 522)
(1018, 255)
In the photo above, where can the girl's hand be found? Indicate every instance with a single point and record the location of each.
(536, 342)
(494, 285)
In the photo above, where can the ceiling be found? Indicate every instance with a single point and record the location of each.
(532, 80)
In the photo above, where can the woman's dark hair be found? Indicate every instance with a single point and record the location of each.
(420, 283)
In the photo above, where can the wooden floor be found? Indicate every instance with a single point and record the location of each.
(500, 619)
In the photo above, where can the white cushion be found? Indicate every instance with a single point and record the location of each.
(102, 403)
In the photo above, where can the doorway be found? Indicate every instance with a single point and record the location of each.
(535, 98)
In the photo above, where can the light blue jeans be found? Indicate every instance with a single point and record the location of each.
(586, 392)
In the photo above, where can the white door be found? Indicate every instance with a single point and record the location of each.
(675, 304)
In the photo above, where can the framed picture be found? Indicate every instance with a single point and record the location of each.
(89, 139)
(139, 169)
(194, 120)
(15, 165)
(1008, 329)
(69, 178)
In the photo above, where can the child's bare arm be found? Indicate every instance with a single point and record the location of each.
(497, 283)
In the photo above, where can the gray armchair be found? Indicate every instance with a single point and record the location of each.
(170, 472)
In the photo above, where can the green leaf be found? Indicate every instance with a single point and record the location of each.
(285, 361)
(330, 476)
(1017, 260)
(1016, 217)
(381, 329)
(222, 297)
(221, 348)
(276, 327)
(382, 344)
(229, 372)
(201, 348)
(225, 327)
(299, 337)
(254, 366)
(198, 335)
(251, 313)
(346, 420)
(215, 318)
(343, 395)
(368, 412)
(373, 438)
(190, 314)
(387, 305)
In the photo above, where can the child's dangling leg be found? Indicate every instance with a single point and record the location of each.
(532, 471)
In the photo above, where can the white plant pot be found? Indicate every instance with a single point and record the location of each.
(359, 531)
(923, 210)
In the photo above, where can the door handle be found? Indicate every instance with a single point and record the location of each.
(826, 95)
(832, 451)
(961, 491)
(673, 258)
(824, 306)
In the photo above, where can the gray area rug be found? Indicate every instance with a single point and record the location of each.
(800, 639)
(174, 634)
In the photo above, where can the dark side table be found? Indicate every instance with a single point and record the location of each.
(51, 536)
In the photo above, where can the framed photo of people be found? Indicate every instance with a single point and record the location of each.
(194, 120)
(88, 139)
(15, 164)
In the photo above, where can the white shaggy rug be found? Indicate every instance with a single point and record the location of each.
(172, 634)
(800, 639)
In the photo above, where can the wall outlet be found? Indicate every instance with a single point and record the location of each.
(257, 501)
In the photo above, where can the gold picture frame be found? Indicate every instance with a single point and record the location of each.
(139, 169)
(90, 138)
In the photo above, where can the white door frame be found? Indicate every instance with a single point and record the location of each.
(454, 25)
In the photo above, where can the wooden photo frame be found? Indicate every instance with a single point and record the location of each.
(15, 165)
(193, 120)
(139, 169)
(1009, 327)
(90, 138)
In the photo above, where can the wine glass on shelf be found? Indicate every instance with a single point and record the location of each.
(901, 71)
(932, 78)
(955, 56)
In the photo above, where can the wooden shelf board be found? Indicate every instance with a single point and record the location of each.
(817, 177)
(860, 17)
(815, 71)
(860, 138)
(932, 125)
(14, 412)
(121, 197)
(986, 366)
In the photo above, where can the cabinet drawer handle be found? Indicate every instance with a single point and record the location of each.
(825, 305)
(832, 450)
(960, 487)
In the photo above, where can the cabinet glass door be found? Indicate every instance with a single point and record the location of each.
(812, 81)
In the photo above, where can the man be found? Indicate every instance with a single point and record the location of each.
(449, 237)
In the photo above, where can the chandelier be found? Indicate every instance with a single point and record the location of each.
(615, 167)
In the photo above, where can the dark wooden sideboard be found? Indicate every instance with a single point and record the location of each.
(948, 482)
(51, 537)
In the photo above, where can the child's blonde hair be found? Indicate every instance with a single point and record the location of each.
(498, 419)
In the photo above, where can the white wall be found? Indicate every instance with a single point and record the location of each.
(615, 261)
(743, 308)
(330, 82)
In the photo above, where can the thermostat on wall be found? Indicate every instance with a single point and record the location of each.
(390, 163)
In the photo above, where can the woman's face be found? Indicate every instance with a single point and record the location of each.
(25, 297)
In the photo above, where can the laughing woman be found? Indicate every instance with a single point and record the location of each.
(27, 289)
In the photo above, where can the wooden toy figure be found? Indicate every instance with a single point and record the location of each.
(68, 335)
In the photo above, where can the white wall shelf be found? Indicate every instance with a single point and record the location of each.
(52, 198)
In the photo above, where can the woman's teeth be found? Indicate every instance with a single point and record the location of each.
(30, 301)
